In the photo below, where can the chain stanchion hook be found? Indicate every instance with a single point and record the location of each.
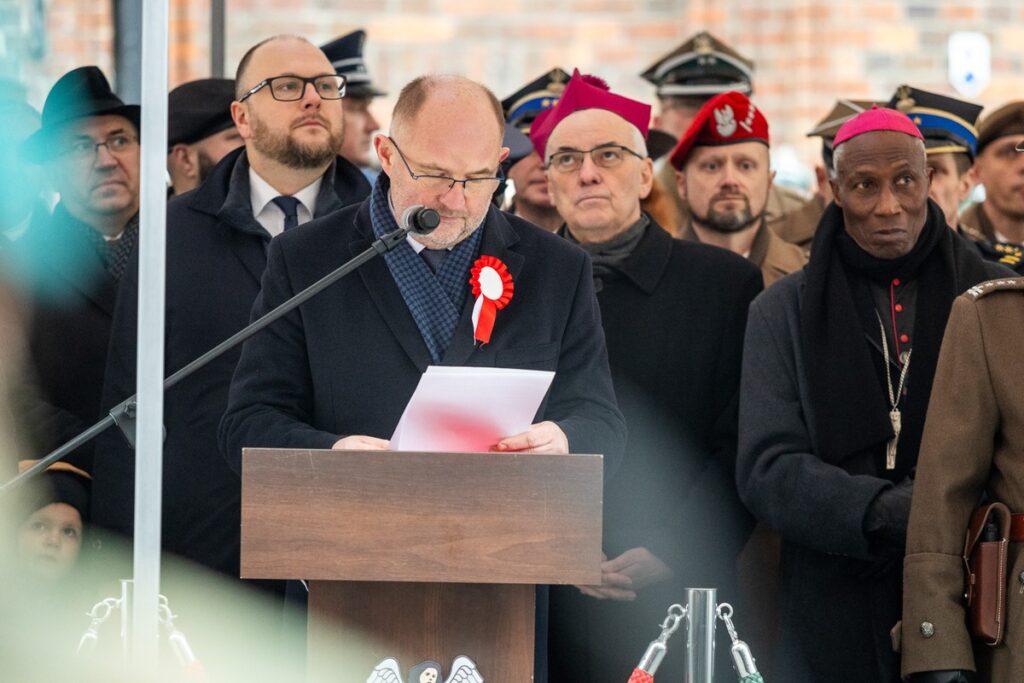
(651, 660)
(742, 658)
(178, 642)
(99, 613)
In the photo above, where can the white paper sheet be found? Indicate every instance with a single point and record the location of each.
(465, 410)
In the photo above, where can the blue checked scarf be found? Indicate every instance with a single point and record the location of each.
(435, 300)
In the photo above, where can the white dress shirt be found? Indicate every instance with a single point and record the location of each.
(268, 214)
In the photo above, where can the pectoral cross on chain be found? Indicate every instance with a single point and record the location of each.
(890, 449)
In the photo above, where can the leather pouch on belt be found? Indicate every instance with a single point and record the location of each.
(985, 558)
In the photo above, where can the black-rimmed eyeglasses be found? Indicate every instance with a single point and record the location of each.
(603, 156)
(472, 187)
(86, 149)
(292, 88)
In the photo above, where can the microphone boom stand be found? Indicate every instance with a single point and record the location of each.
(123, 414)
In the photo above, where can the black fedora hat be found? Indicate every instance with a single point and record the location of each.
(80, 92)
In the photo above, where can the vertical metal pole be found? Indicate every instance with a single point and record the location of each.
(217, 38)
(124, 610)
(150, 365)
(128, 69)
(700, 636)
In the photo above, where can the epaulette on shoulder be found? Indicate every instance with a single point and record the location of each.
(1010, 254)
(1000, 285)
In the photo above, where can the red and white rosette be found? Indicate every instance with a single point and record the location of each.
(492, 287)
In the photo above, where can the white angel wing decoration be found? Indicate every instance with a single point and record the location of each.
(386, 672)
(464, 671)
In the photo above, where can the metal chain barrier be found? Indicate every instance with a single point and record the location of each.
(742, 657)
(104, 609)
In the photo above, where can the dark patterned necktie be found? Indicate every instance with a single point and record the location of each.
(433, 257)
(290, 207)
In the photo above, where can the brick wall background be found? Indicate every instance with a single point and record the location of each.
(808, 52)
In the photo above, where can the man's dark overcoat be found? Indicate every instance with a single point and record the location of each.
(674, 314)
(216, 253)
(348, 361)
(71, 305)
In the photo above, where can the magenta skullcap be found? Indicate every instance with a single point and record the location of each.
(876, 119)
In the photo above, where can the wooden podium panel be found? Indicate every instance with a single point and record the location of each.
(421, 556)
(491, 623)
(524, 518)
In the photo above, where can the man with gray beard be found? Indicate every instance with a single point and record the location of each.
(723, 173)
(288, 110)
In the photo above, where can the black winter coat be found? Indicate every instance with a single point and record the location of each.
(839, 599)
(674, 316)
(216, 253)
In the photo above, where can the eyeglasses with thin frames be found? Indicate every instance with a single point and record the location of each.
(603, 156)
(293, 88)
(86, 150)
(472, 187)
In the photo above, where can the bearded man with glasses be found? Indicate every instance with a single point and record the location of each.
(674, 315)
(288, 112)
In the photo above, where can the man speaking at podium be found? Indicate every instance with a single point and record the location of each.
(339, 371)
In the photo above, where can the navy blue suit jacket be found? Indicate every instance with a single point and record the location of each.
(348, 361)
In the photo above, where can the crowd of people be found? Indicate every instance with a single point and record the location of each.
(738, 352)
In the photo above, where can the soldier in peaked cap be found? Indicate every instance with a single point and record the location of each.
(346, 55)
(200, 130)
(532, 201)
(950, 137)
(685, 79)
(691, 74)
(998, 166)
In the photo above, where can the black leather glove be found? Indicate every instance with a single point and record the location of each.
(942, 677)
(885, 522)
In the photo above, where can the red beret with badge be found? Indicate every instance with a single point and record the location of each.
(725, 119)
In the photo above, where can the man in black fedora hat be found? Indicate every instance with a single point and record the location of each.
(88, 144)
(200, 130)
(346, 55)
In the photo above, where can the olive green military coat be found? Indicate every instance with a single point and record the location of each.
(973, 444)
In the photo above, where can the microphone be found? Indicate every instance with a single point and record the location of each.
(420, 220)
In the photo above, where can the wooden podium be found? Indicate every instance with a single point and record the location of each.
(426, 555)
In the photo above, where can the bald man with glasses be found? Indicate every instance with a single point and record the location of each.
(413, 307)
(339, 372)
(674, 315)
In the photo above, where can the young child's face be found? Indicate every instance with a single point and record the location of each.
(50, 539)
